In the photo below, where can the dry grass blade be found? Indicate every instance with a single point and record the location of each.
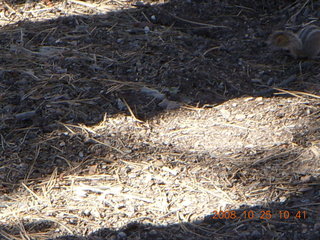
(298, 93)
(107, 145)
(86, 4)
(33, 163)
(8, 236)
(32, 192)
(131, 112)
(300, 10)
(198, 23)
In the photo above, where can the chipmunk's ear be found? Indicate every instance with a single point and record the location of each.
(279, 39)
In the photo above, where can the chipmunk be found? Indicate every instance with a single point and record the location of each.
(304, 44)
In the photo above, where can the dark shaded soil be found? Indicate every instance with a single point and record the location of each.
(59, 78)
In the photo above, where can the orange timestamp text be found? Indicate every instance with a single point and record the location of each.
(263, 214)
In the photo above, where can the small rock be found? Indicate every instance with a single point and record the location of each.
(240, 117)
(113, 237)
(73, 221)
(249, 146)
(225, 113)
(121, 105)
(25, 115)
(153, 232)
(120, 40)
(146, 29)
(248, 99)
(153, 93)
(305, 189)
(256, 80)
(174, 172)
(95, 213)
(86, 212)
(140, 4)
(122, 235)
(282, 199)
(169, 105)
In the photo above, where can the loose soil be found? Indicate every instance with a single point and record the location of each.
(157, 120)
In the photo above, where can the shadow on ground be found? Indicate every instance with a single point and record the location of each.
(58, 77)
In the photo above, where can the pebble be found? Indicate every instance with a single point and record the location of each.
(146, 29)
(153, 232)
(122, 235)
(25, 115)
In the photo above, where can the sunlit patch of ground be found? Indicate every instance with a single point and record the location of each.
(158, 173)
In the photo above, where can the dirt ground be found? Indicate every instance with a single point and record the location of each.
(157, 120)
